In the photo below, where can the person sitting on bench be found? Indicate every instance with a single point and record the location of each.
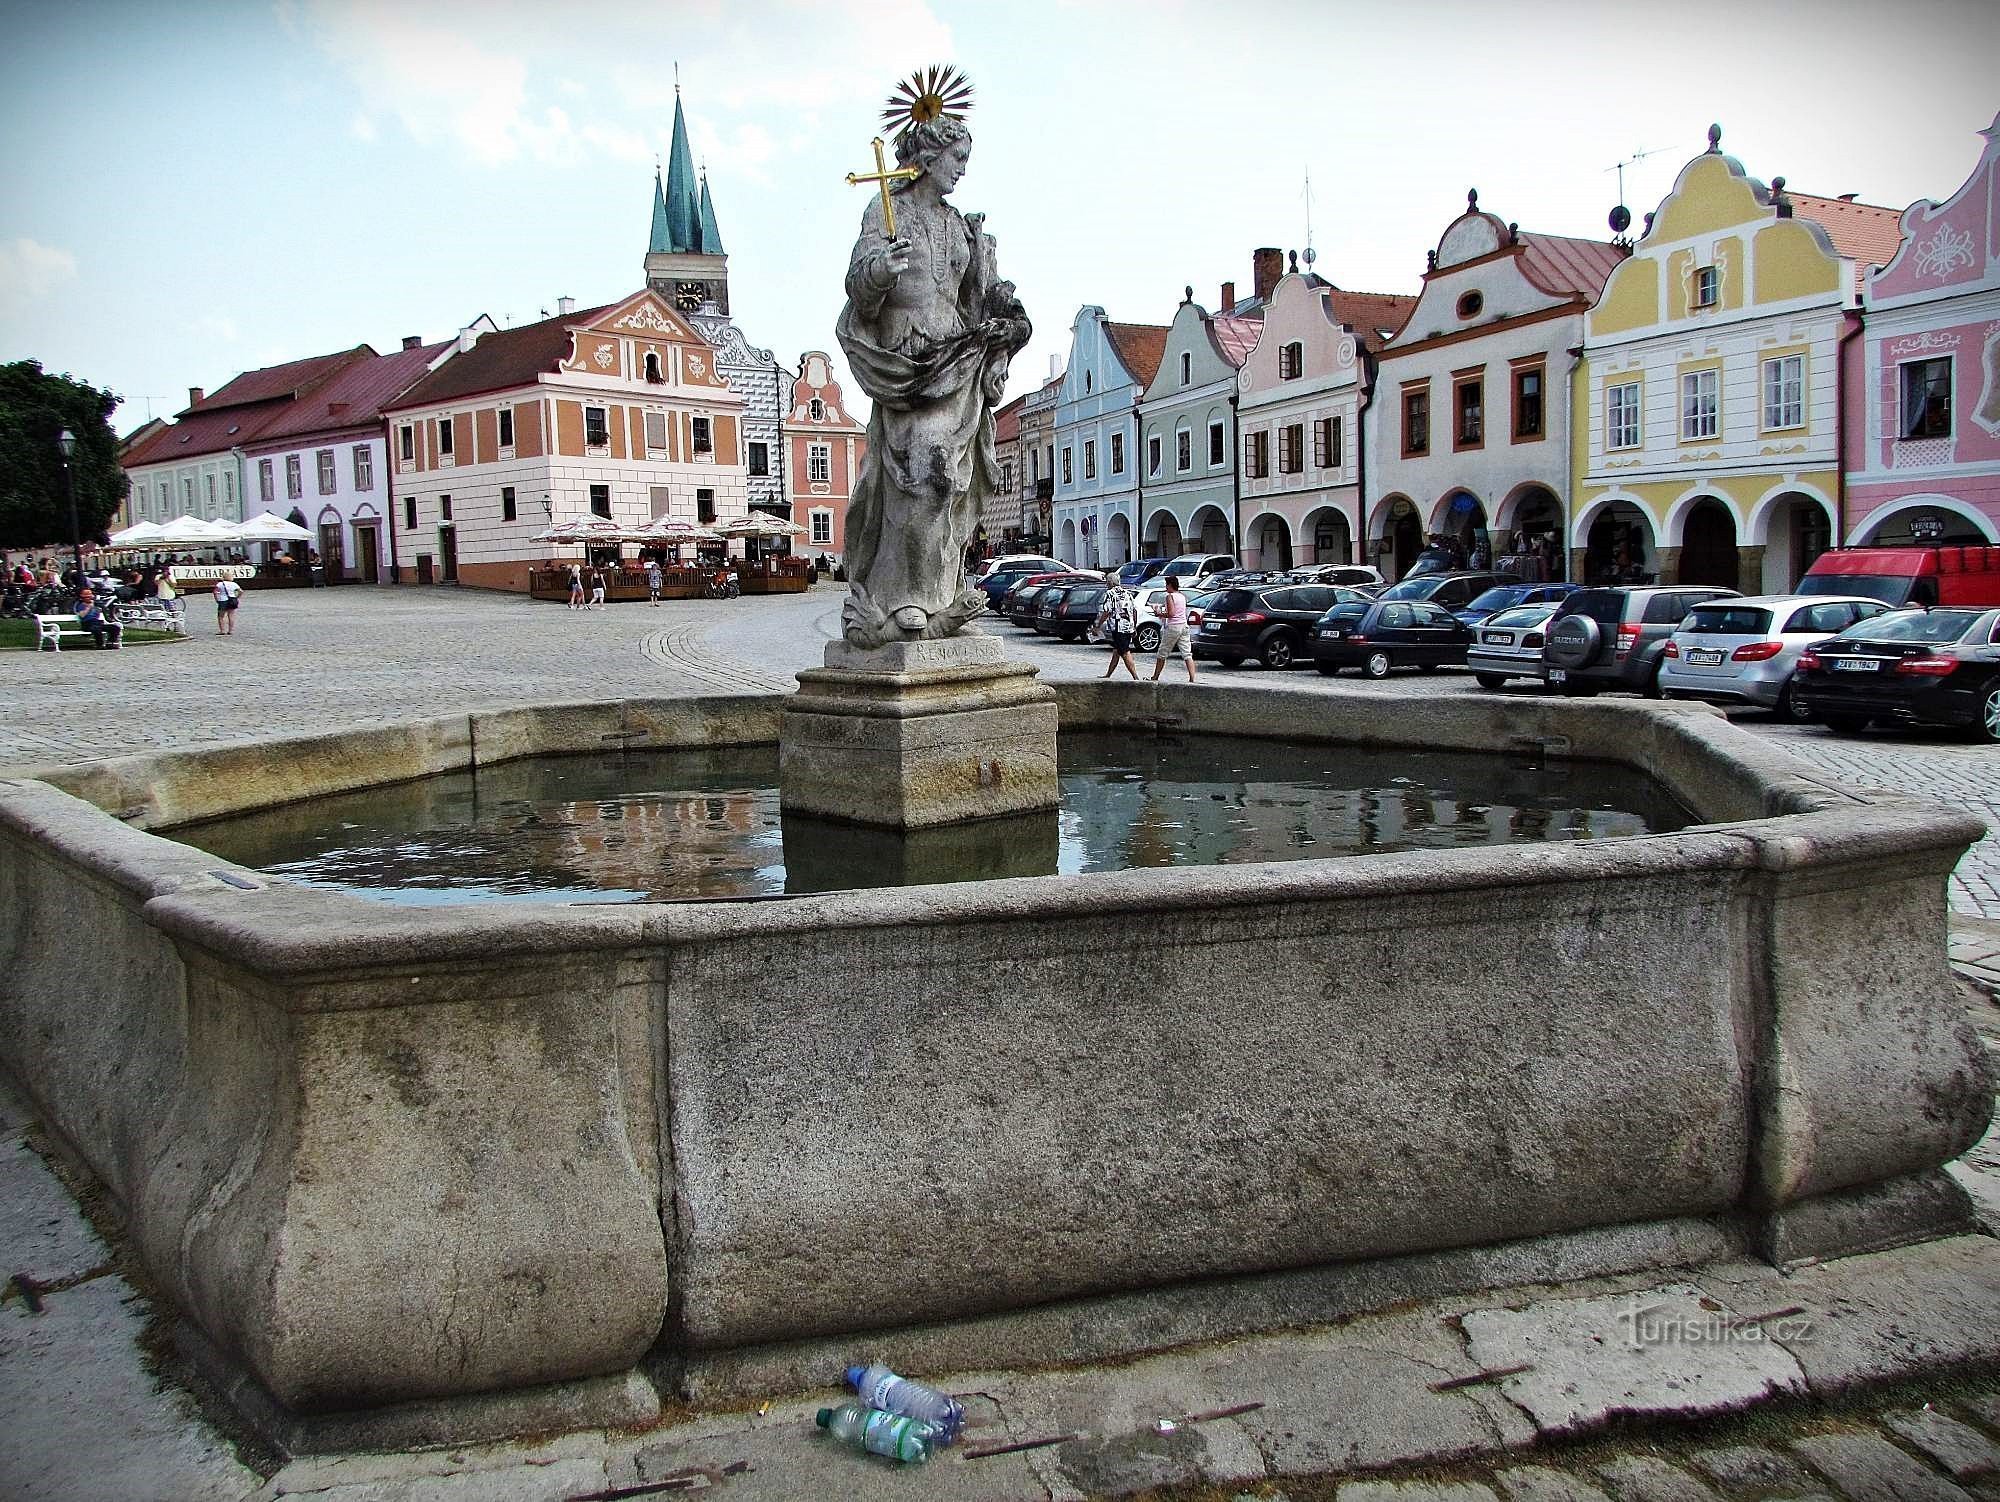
(103, 630)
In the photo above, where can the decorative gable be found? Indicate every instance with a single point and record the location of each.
(1955, 244)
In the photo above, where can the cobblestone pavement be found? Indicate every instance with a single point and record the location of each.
(307, 660)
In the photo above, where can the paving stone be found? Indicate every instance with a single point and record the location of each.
(85, 1422)
(42, 1233)
(1752, 1470)
(1647, 1478)
(1867, 1468)
(1660, 1351)
(1959, 1448)
(1415, 1491)
(1540, 1484)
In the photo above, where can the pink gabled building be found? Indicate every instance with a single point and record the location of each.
(824, 444)
(1920, 391)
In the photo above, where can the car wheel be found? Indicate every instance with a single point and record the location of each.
(1377, 665)
(1989, 712)
(1148, 638)
(1790, 708)
(1327, 669)
(1277, 652)
(1230, 662)
(1844, 724)
(1490, 680)
(1651, 688)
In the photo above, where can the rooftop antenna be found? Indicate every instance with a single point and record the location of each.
(1621, 217)
(1311, 254)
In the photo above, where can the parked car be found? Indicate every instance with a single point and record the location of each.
(1139, 570)
(1015, 563)
(1384, 634)
(1616, 636)
(1452, 590)
(997, 581)
(1508, 644)
(1505, 596)
(1065, 611)
(1242, 578)
(1928, 667)
(1273, 624)
(1743, 651)
(1349, 575)
(1958, 574)
(1021, 602)
(1192, 568)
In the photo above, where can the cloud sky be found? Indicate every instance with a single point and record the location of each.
(325, 172)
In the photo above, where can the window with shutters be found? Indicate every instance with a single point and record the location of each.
(294, 485)
(267, 480)
(323, 460)
(1257, 453)
(1927, 399)
(1292, 448)
(656, 434)
(1291, 360)
(364, 467)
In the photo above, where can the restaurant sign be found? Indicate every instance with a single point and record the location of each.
(208, 573)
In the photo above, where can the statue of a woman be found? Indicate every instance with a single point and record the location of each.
(929, 329)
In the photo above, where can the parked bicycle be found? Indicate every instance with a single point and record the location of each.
(722, 585)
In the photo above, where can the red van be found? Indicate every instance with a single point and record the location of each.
(1959, 574)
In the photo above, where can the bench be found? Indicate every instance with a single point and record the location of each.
(51, 629)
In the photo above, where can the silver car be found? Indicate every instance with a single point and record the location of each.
(1743, 651)
(1508, 644)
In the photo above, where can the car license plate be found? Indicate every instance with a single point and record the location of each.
(1499, 638)
(1856, 664)
(1211, 626)
(1703, 657)
(1557, 675)
(1334, 632)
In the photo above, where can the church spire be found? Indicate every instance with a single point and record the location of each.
(662, 239)
(711, 237)
(682, 195)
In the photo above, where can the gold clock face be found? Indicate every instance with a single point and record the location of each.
(690, 295)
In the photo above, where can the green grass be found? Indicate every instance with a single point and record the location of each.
(19, 636)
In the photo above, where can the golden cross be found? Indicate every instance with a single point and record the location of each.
(883, 176)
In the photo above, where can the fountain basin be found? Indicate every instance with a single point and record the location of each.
(482, 1167)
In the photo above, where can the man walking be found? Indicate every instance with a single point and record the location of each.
(1174, 630)
(654, 579)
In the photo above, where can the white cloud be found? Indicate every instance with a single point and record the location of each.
(30, 271)
(362, 128)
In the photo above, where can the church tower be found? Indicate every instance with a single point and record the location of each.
(684, 259)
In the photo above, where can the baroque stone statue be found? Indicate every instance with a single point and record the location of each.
(929, 330)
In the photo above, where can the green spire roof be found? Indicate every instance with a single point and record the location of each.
(711, 237)
(662, 237)
(683, 204)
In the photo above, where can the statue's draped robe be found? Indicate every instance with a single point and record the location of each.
(932, 354)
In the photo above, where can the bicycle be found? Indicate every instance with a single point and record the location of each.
(722, 585)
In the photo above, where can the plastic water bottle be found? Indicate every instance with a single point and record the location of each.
(881, 1388)
(879, 1433)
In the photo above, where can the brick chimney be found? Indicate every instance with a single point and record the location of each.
(1267, 264)
(413, 341)
(195, 395)
(1228, 296)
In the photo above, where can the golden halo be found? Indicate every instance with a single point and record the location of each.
(927, 95)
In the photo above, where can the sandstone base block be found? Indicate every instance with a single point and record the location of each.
(916, 735)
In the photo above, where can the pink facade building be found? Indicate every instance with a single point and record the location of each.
(823, 448)
(1920, 391)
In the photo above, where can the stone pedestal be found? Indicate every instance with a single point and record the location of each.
(918, 734)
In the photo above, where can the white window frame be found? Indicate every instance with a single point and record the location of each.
(655, 423)
(821, 522)
(295, 483)
(267, 481)
(447, 441)
(364, 467)
(1187, 368)
(1707, 291)
(1154, 456)
(328, 477)
(1293, 354)
(1117, 453)
(1069, 468)
(1701, 405)
(819, 464)
(1218, 450)
(703, 432)
(1623, 427)
(407, 450)
(503, 421)
(757, 458)
(815, 410)
(597, 445)
(1784, 392)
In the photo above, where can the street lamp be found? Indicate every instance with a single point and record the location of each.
(66, 441)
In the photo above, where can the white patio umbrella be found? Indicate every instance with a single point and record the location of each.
(138, 535)
(268, 526)
(193, 532)
(760, 524)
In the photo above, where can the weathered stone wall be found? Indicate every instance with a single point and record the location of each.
(386, 1154)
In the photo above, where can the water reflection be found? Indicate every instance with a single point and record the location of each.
(652, 826)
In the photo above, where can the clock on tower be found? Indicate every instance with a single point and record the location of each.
(689, 296)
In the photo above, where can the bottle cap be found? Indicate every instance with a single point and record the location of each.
(825, 1419)
(855, 1374)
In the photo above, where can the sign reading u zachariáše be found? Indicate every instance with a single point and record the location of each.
(208, 573)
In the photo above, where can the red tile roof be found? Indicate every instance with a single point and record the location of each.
(1007, 421)
(1139, 347)
(1235, 336)
(361, 390)
(510, 357)
(1866, 233)
(1374, 316)
(287, 380)
(1565, 266)
(203, 430)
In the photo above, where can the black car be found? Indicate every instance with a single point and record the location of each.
(1931, 667)
(1382, 634)
(1273, 624)
(1453, 590)
(1065, 611)
(1022, 602)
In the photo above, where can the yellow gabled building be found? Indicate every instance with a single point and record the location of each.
(1710, 384)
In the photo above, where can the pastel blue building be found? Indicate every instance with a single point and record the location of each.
(1096, 438)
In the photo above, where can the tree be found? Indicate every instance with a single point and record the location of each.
(34, 408)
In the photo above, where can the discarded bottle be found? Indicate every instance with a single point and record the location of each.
(879, 1433)
(881, 1388)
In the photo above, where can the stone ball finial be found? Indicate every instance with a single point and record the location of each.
(1715, 138)
(1471, 200)
(1295, 262)
(1187, 293)
(1777, 185)
(1513, 233)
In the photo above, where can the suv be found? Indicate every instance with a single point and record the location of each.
(1274, 625)
(1616, 638)
(1192, 568)
(1454, 591)
(1007, 572)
